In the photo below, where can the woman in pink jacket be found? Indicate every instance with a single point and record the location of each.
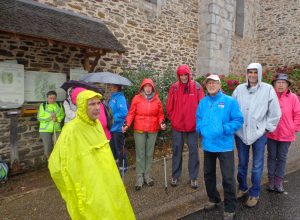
(280, 139)
(102, 116)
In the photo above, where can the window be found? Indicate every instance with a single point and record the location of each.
(152, 1)
(239, 19)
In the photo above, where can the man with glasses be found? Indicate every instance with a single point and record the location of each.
(218, 117)
(260, 107)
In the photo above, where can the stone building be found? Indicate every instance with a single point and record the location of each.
(216, 36)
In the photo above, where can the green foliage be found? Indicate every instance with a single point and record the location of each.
(161, 78)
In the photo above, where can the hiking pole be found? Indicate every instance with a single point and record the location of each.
(123, 161)
(123, 153)
(54, 132)
(165, 162)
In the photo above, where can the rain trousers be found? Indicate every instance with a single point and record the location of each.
(84, 170)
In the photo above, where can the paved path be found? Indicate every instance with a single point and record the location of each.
(272, 205)
(44, 202)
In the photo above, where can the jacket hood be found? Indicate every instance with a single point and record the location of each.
(75, 93)
(82, 100)
(259, 71)
(182, 70)
(146, 81)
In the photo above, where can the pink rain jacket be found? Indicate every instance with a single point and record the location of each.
(289, 122)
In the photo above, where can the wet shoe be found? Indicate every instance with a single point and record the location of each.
(278, 185)
(211, 205)
(149, 181)
(252, 201)
(279, 189)
(271, 186)
(240, 193)
(139, 182)
(174, 182)
(194, 184)
(228, 215)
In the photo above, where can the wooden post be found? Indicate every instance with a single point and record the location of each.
(14, 154)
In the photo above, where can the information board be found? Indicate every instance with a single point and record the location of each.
(37, 84)
(11, 85)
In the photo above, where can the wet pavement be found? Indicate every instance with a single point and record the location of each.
(34, 196)
(272, 205)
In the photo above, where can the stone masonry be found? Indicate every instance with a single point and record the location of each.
(201, 33)
(278, 33)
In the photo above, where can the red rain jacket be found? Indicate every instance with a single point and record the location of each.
(146, 114)
(182, 102)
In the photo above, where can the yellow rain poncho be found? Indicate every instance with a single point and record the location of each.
(84, 170)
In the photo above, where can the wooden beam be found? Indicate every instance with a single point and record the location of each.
(86, 62)
(96, 60)
(50, 42)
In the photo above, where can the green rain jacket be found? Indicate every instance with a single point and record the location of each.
(44, 117)
(84, 170)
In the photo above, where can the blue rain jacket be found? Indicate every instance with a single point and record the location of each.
(217, 118)
(119, 109)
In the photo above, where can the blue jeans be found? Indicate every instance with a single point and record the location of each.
(177, 147)
(258, 151)
(277, 155)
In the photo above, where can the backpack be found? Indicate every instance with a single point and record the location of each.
(3, 171)
(109, 115)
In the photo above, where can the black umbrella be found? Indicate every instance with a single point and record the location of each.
(74, 83)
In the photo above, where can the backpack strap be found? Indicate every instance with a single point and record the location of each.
(175, 86)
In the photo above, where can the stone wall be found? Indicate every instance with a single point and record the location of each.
(30, 147)
(200, 33)
(38, 55)
(215, 34)
(278, 33)
(165, 33)
(243, 51)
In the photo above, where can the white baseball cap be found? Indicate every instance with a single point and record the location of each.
(213, 77)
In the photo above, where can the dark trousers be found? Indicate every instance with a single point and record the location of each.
(226, 160)
(177, 147)
(277, 155)
(117, 143)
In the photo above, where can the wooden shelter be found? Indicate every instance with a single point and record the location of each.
(31, 19)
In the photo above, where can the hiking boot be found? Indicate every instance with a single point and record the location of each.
(271, 185)
(240, 193)
(228, 215)
(211, 205)
(278, 184)
(149, 181)
(174, 182)
(194, 184)
(139, 182)
(252, 201)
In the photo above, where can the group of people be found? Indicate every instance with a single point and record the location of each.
(257, 114)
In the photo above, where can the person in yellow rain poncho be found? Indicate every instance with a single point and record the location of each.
(83, 167)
